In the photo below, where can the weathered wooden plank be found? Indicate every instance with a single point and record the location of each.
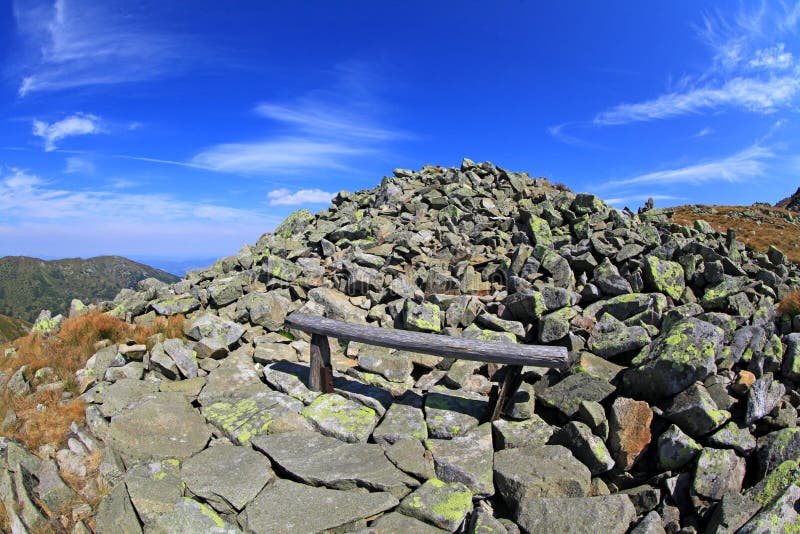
(501, 397)
(320, 376)
(450, 347)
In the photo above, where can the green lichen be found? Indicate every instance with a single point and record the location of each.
(455, 506)
(206, 511)
(776, 482)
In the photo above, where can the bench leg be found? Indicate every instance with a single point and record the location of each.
(320, 377)
(508, 388)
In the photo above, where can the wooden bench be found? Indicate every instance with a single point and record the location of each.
(513, 355)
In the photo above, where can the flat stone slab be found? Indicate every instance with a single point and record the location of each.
(324, 461)
(335, 416)
(411, 457)
(468, 459)
(539, 471)
(154, 488)
(514, 434)
(566, 396)
(216, 476)
(162, 426)
(449, 413)
(443, 504)
(289, 507)
(245, 418)
(230, 380)
(395, 522)
(611, 514)
(124, 392)
(401, 421)
(189, 516)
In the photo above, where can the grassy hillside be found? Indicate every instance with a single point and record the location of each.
(28, 285)
(758, 226)
(11, 329)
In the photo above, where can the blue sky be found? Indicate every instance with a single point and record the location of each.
(174, 132)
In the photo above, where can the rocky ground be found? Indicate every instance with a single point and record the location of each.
(678, 413)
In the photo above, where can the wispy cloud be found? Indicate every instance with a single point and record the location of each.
(78, 124)
(33, 210)
(79, 165)
(763, 96)
(751, 68)
(746, 164)
(284, 197)
(77, 43)
(326, 129)
(279, 155)
(704, 132)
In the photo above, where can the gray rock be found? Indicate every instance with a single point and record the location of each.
(394, 522)
(732, 512)
(183, 356)
(555, 325)
(606, 276)
(779, 516)
(482, 522)
(675, 360)
(267, 310)
(695, 411)
(189, 516)
(401, 421)
(289, 384)
(514, 434)
(449, 413)
(467, 459)
(733, 436)
(650, 524)
(209, 326)
(585, 446)
(536, 471)
(777, 447)
(289, 507)
(160, 361)
(162, 426)
(567, 395)
(52, 491)
(425, 317)
(320, 460)
(411, 457)
(17, 384)
(224, 292)
(241, 420)
(762, 397)
(336, 305)
(611, 337)
(176, 305)
(718, 473)
(215, 475)
(115, 514)
(393, 366)
(676, 449)
(338, 417)
(664, 276)
(584, 515)
(154, 488)
(231, 381)
(442, 504)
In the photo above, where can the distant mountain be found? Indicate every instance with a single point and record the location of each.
(29, 285)
(791, 203)
(176, 267)
(11, 329)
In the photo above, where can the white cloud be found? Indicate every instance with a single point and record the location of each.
(34, 213)
(282, 155)
(283, 197)
(748, 93)
(78, 165)
(748, 163)
(773, 58)
(315, 118)
(751, 68)
(704, 132)
(77, 43)
(78, 124)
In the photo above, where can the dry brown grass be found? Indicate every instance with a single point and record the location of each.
(766, 226)
(790, 305)
(44, 418)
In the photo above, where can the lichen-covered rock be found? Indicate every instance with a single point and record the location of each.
(695, 411)
(467, 459)
(567, 395)
(173, 306)
(449, 413)
(664, 276)
(762, 397)
(116, 514)
(778, 516)
(585, 446)
(718, 472)
(335, 416)
(425, 317)
(676, 359)
(444, 504)
(154, 488)
(401, 421)
(676, 449)
(514, 434)
(188, 515)
(733, 436)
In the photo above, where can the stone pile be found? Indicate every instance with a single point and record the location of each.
(678, 413)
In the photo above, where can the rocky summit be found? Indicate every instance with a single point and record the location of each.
(678, 412)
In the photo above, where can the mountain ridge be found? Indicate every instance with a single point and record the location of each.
(28, 285)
